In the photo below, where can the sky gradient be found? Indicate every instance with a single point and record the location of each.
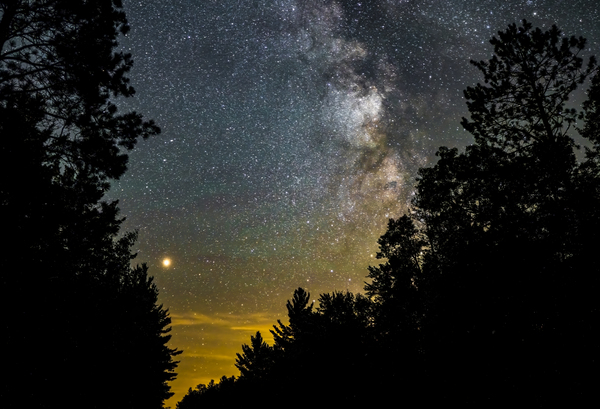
(291, 131)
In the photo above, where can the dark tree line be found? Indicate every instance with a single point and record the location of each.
(487, 294)
(321, 356)
(84, 327)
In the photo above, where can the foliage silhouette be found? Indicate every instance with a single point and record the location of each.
(226, 393)
(502, 238)
(299, 314)
(487, 290)
(394, 284)
(324, 354)
(256, 359)
(63, 54)
(98, 323)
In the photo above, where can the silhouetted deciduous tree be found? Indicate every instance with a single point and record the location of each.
(588, 179)
(502, 240)
(63, 54)
(400, 303)
(394, 284)
(58, 72)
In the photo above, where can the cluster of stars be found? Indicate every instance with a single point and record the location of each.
(292, 130)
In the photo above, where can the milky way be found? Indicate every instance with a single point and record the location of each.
(292, 130)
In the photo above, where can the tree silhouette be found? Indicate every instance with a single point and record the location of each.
(146, 360)
(487, 290)
(58, 70)
(502, 240)
(299, 314)
(225, 393)
(398, 293)
(98, 324)
(394, 284)
(323, 355)
(588, 179)
(591, 129)
(333, 341)
(256, 359)
(63, 54)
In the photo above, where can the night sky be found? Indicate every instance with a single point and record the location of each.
(291, 131)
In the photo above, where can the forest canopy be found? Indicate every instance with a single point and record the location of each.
(487, 289)
(87, 329)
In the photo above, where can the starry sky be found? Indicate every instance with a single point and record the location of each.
(291, 131)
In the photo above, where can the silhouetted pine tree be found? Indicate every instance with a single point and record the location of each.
(86, 327)
(256, 360)
(324, 355)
